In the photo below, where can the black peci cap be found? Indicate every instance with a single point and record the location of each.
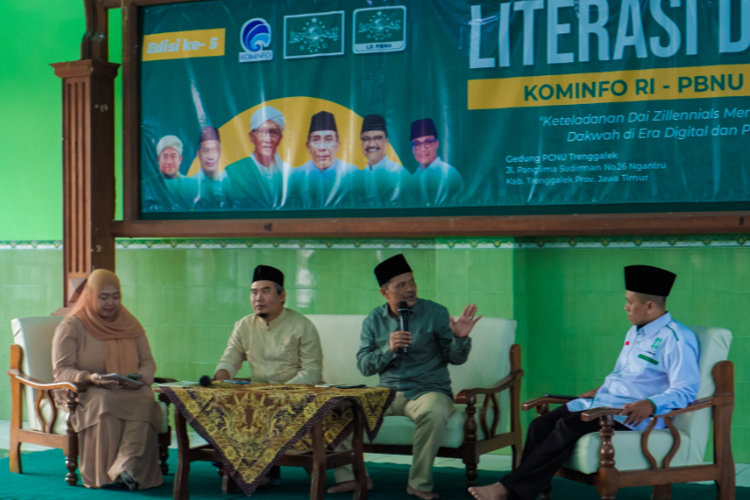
(391, 268)
(373, 122)
(322, 121)
(268, 273)
(423, 127)
(649, 280)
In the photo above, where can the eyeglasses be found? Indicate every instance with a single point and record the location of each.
(327, 142)
(266, 132)
(425, 144)
(376, 138)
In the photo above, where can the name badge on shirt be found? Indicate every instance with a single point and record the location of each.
(655, 346)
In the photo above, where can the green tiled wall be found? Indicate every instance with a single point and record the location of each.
(567, 301)
(188, 300)
(30, 285)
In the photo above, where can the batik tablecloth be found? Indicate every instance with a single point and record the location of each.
(252, 426)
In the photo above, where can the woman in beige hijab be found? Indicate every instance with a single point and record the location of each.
(117, 425)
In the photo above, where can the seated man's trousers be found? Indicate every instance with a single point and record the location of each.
(550, 441)
(430, 412)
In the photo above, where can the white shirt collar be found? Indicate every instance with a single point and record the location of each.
(219, 176)
(437, 163)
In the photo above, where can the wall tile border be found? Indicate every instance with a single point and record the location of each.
(482, 243)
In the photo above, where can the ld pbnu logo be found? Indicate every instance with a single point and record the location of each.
(255, 36)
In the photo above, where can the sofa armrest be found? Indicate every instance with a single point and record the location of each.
(36, 384)
(596, 413)
(469, 395)
(541, 404)
(699, 404)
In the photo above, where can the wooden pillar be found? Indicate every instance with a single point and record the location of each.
(88, 169)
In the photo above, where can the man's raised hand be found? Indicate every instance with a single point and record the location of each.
(463, 325)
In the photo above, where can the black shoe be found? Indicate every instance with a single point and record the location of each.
(128, 480)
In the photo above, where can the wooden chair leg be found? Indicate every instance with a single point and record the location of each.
(662, 492)
(471, 461)
(608, 480)
(470, 442)
(15, 455)
(164, 441)
(71, 451)
(517, 453)
(16, 416)
(723, 373)
(608, 484)
(726, 489)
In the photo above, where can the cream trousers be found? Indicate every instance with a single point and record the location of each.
(430, 412)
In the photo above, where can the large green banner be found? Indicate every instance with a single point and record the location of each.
(321, 108)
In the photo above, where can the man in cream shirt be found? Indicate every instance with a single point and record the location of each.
(281, 346)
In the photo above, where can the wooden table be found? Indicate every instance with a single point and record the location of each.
(318, 459)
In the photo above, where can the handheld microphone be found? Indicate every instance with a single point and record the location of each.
(205, 381)
(403, 313)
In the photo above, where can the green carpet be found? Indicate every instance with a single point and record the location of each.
(44, 473)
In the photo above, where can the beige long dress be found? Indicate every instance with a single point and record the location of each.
(117, 428)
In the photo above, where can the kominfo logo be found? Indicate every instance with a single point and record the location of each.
(255, 36)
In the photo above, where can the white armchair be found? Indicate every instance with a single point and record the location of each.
(32, 383)
(660, 458)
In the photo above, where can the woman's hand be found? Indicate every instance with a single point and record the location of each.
(96, 379)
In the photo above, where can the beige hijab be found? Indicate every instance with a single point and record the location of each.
(118, 332)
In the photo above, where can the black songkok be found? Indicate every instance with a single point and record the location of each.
(423, 127)
(374, 122)
(268, 273)
(390, 268)
(322, 121)
(209, 134)
(649, 280)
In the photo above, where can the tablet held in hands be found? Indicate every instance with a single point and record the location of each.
(122, 380)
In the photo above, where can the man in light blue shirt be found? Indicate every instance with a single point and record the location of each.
(656, 372)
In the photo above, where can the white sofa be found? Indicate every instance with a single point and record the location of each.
(488, 384)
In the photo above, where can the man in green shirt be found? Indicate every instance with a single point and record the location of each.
(259, 182)
(415, 363)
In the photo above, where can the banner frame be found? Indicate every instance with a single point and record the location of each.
(132, 226)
